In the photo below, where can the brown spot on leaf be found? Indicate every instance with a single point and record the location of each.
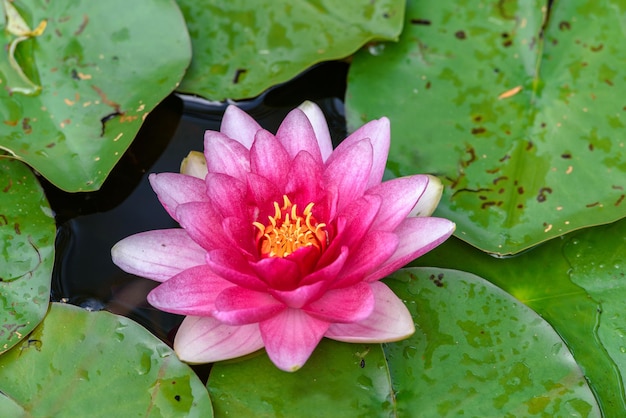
(564, 25)
(16, 228)
(590, 205)
(82, 26)
(8, 186)
(478, 131)
(460, 35)
(619, 201)
(541, 197)
(567, 155)
(496, 180)
(424, 22)
(238, 73)
(26, 126)
(597, 48)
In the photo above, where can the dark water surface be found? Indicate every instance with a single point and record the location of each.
(89, 224)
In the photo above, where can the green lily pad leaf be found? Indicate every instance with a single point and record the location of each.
(78, 78)
(77, 361)
(337, 377)
(27, 232)
(477, 350)
(519, 108)
(577, 284)
(10, 408)
(241, 48)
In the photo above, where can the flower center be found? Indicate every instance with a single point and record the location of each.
(288, 231)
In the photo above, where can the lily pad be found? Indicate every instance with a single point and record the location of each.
(477, 351)
(27, 232)
(577, 283)
(241, 48)
(78, 78)
(77, 363)
(518, 106)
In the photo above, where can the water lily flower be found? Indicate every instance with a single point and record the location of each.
(284, 241)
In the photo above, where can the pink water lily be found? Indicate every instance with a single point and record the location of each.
(284, 241)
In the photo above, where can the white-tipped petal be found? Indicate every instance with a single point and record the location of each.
(194, 164)
(390, 321)
(429, 200)
(206, 340)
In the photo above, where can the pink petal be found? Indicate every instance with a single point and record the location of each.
(376, 248)
(416, 236)
(379, 134)
(263, 193)
(241, 234)
(290, 337)
(349, 304)
(175, 189)
(269, 159)
(352, 224)
(299, 297)
(305, 258)
(399, 197)
(360, 214)
(239, 306)
(227, 194)
(279, 273)
(429, 200)
(304, 179)
(296, 134)
(191, 292)
(347, 171)
(233, 266)
(203, 224)
(238, 125)
(206, 340)
(390, 321)
(157, 255)
(225, 155)
(320, 127)
(329, 272)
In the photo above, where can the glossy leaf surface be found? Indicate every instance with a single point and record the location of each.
(27, 232)
(79, 363)
(78, 78)
(578, 284)
(519, 108)
(241, 48)
(477, 350)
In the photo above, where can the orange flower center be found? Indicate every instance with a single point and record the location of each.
(288, 231)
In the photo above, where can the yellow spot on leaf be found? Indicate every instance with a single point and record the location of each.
(510, 93)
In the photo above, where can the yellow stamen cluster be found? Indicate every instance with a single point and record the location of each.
(287, 231)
